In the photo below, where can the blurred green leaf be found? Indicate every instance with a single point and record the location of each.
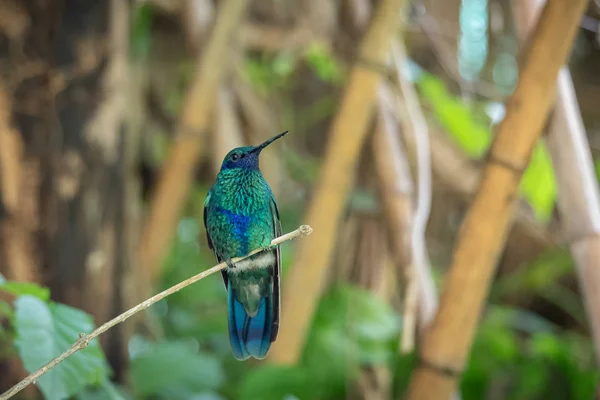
(545, 345)
(183, 393)
(467, 129)
(538, 184)
(284, 64)
(167, 367)
(402, 367)
(352, 327)
(141, 29)
(271, 382)
(532, 381)
(518, 319)
(455, 116)
(541, 273)
(548, 365)
(6, 310)
(23, 288)
(106, 391)
(43, 332)
(323, 63)
(270, 72)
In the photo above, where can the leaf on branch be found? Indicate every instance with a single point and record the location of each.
(43, 332)
(169, 366)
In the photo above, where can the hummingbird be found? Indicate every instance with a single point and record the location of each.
(240, 215)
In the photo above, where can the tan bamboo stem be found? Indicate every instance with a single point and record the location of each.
(446, 346)
(306, 279)
(578, 194)
(178, 171)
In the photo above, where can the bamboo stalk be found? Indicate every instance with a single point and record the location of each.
(177, 173)
(483, 232)
(305, 282)
(578, 193)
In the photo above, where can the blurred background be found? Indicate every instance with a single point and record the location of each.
(115, 117)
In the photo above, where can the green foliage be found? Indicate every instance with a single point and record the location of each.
(538, 184)
(141, 30)
(455, 116)
(174, 370)
(352, 327)
(543, 272)
(106, 391)
(538, 362)
(45, 330)
(200, 309)
(468, 130)
(323, 63)
(269, 73)
(25, 288)
(272, 382)
(542, 278)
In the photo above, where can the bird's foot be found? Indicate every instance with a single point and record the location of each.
(266, 249)
(230, 264)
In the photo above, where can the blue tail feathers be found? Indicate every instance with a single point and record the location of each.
(249, 336)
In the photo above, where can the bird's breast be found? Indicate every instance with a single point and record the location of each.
(236, 235)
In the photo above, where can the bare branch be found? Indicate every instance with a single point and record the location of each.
(84, 339)
(418, 270)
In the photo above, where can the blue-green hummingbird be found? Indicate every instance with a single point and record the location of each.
(240, 215)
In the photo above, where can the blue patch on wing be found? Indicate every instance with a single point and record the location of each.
(241, 225)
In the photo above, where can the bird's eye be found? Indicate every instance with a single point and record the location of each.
(235, 156)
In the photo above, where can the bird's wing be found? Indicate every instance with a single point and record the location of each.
(276, 270)
(209, 240)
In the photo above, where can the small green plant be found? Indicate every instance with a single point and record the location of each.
(41, 330)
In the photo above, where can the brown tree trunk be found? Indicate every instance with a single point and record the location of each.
(66, 72)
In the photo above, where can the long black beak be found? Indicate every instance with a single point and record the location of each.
(258, 148)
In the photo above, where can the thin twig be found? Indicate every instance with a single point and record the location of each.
(416, 270)
(84, 339)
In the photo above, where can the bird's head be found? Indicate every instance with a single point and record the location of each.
(246, 157)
